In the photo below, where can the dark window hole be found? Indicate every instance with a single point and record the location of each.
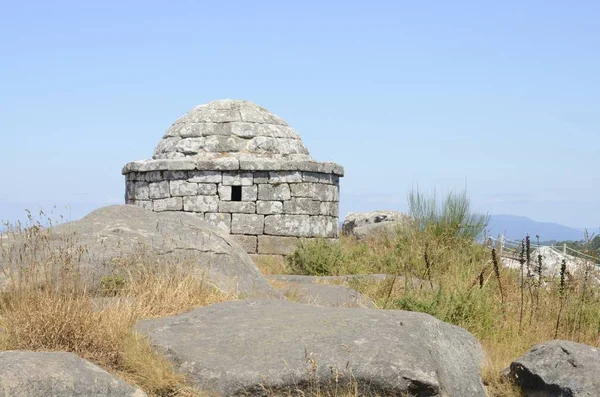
(236, 193)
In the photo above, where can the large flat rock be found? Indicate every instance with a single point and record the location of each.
(44, 374)
(112, 233)
(558, 368)
(245, 347)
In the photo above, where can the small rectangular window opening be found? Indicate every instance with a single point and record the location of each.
(236, 193)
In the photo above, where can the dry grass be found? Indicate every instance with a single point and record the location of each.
(270, 264)
(46, 306)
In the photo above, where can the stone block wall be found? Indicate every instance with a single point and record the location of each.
(275, 208)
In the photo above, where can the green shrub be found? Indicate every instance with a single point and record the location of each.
(316, 258)
(452, 218)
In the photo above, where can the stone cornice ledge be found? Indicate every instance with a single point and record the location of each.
(233, 164)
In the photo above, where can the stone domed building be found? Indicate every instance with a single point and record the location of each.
(244, 170)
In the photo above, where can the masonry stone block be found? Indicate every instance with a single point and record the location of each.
(141, 190)
(207, 189)
(276, 245)
(245, 207)
(274, 192)
(183, 188)
(316, 191)
(145, 204)
(317, 177)
(237, 179)
(158, 190)
(224, 192)
(168, 204)
(285, 177)
(247, 224)
(201, 204)
(154, 176)
(173, 175)
(220, 220)
(324, 226)
(248, 243)
(288, 225)
(249, 193)
(261, 177)
(329, 208)
(302, 205)
(205, 176)
(269, 207)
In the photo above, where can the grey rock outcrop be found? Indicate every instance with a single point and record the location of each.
(320, 292)
(247, 347)
(43, 374)
(112, 233)
(558, 368)
(363, 225)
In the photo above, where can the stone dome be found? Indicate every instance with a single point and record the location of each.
(231, 128)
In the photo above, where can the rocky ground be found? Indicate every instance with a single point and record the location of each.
(287, 333)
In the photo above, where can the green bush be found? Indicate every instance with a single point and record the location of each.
(316, 258)
(452, 218)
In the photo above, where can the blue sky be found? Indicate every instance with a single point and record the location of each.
(501, 96)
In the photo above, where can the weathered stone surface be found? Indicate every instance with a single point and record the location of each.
(154, 176)
(269, 207)
(285, 177)
(288, 225)
(316, 191)
(301, 205)
(249, 193)
(301, 225)
(141, 191)
(219, 220)
(244, 207)
(205, 176)
(145, 204)
(558, 368)
(247, 223)
(158, 190)
(201, 204)
(207, 189)
(224, 193)
(183, 188)
(261, 177)
(329, 208)
(177, 238)
(168, 204)
(389, 229)
(366, 224)
(43, 374)
(277, 245)
(387, 352)
(237, 179)
(222, 163)
(248, 243)
(274, 192)
(223, 144)
(174, 175)
(317, 177)
(323, 226)
(322, 294)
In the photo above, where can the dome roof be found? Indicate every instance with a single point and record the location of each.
(230, 128)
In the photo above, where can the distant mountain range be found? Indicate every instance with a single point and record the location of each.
(517, 227)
